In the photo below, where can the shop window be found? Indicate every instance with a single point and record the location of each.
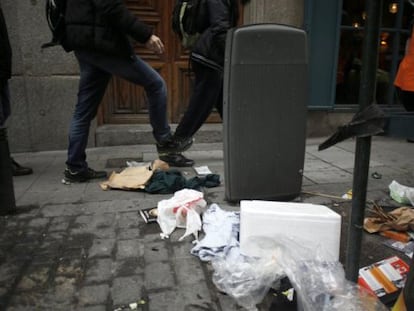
(397, 17)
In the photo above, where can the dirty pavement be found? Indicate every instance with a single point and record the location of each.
(78, 247)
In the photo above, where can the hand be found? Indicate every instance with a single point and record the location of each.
(155, 44)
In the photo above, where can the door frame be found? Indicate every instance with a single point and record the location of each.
(322, 24)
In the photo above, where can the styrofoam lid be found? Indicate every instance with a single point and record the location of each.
(286, 208)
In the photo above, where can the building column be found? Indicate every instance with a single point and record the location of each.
(288, 12)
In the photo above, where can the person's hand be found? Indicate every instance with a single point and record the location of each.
(155, 44)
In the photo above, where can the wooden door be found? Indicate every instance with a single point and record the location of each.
(126, 103)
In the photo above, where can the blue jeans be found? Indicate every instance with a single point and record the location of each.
(96, 70)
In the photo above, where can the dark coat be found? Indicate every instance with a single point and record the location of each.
(103, 26)
(5, 50)
(209, 48)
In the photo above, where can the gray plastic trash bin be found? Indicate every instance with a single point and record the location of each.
(264, 112)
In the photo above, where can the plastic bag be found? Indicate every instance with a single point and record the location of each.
(401, 194)
(246, 279)
(319, 285)
(183, 211)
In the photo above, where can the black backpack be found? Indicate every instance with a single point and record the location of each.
(55, 16)
(187, 16)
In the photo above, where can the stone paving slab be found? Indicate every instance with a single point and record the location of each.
(80, 248)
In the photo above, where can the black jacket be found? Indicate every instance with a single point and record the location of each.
(5, 50)
(104, 26)
(209, 48)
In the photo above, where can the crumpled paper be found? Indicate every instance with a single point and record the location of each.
(134, 177)
(400, 219)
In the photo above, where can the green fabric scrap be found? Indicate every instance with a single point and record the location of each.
(166, 182)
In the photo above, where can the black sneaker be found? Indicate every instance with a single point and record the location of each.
(174, 144)
(19, 170)
(82, 176)
(176, 159)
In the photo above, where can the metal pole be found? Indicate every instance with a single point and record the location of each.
(363, 145)
(7, 200)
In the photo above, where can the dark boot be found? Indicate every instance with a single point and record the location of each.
(19, 170)
(173, 144)
(176, 159)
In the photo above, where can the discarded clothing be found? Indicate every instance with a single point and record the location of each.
(221, 230)
(165, 182)
(157, 177)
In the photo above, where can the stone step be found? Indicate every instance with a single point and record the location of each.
(117, 135)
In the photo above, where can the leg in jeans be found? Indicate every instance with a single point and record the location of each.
(92, 85)
(96, 70)
(219, 102)
(206, 95)
(138, 72)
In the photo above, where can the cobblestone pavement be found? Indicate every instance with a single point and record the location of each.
(78, 247)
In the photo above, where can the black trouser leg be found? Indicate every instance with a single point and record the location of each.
(407, 99)
(208, 92)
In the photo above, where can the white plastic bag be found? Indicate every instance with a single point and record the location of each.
(401, 194)
(183, 211)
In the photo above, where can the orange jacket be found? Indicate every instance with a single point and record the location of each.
(405, 75)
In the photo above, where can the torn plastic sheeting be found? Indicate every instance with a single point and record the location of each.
(320, 285)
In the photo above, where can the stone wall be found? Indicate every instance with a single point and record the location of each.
(44, 82)
(288, 12)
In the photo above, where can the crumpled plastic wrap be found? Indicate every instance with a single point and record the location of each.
(401, 194)
(183, 211)
(320, 285)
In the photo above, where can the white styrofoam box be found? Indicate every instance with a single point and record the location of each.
(315, 226)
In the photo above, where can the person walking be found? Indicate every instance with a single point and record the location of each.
(207, 61)
(5, 75)
(404, 80)
(98, 32)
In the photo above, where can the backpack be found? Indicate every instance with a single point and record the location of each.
(55, 16)
(187, 16)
